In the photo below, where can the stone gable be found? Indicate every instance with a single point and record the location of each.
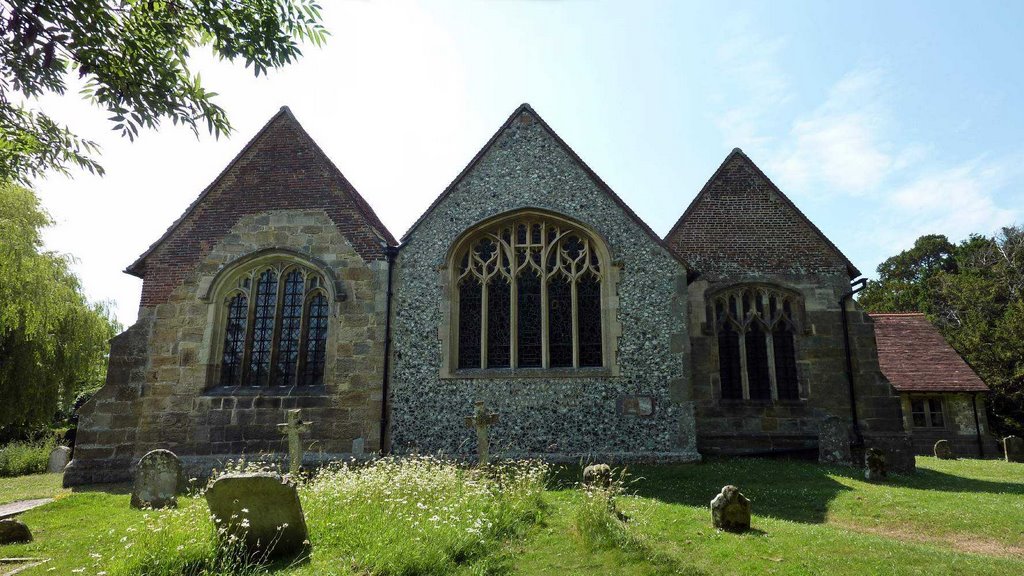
(526, 166)
(741, 225)
(281, 168)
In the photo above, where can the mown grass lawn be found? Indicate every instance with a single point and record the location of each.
(960, 517)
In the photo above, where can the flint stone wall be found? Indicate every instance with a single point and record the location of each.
(162, 388)
(556, 417)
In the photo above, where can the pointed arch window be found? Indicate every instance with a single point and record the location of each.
(756, 328)
(528, 294)
(275, 330)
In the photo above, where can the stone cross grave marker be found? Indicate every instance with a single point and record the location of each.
(482, 420)
(292, 428)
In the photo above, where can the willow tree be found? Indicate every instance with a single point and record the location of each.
(53, 342)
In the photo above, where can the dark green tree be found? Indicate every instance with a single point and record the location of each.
(53, 342)
(133, 55)
(904, 279)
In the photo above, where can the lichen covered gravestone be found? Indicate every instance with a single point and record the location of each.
(158, 480)
(1013, 449)
(59, 458)
(874, 465)
(14, 532)
(730, 510)
(260, 510)
(598, 475)
(834, 441)
(942, 450)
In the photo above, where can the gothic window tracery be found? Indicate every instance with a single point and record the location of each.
(528, 296)
(276, 327)
(756, 328)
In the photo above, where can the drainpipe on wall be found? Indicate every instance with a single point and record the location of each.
(390, 252)
(855, 287)
(977, 425)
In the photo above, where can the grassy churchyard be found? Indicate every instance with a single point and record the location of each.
(423, 516)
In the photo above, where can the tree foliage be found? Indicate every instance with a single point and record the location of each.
(53, 342)
(133, 56)
(974, 293)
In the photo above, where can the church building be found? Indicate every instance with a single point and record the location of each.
(528, 284)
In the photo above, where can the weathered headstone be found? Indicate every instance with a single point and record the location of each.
(262, 511)
(598, 475)
(292, 428)
(942, 450)
(59, 458)
(874, 465)
(834, 441)
(158, 480)
(730, 510)
(482, 420)
(1013, 449)
(14, 532)
(358, 446)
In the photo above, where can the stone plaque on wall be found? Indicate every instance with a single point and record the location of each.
(636, 405)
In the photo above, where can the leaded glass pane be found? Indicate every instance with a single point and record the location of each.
(729, 363)
(315, 341)
(234, 341)
(291, 320)
(499, 323)
(588, 299)
(560, 322)
(263, 329)
(470, 323)
(918, 414)
(757, 364)
(529, 320)
(785, 364)
(935, 406)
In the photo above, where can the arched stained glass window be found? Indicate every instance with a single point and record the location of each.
(756, 328)
(528, 296)
(275, 328)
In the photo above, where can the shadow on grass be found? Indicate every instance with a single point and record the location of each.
(792, 490)
(927, 479)
(116, 489)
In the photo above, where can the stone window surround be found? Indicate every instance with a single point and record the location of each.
(216, 290)
(927, 399)
(801, 327)
(611, 328)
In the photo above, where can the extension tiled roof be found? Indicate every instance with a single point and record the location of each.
(915, 357)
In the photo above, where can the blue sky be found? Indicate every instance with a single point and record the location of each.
(881, 120)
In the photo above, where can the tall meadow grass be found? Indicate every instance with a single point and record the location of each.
(415, 515)
(21, 458)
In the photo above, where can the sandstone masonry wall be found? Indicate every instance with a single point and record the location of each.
(177, 402)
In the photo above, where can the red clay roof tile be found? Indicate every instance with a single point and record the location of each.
(915, 357)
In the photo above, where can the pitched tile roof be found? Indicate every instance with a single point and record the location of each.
(915, 357)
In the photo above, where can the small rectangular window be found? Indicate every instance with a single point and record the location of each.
(935, 411)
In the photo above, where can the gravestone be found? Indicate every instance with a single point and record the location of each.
(834, 441)
(14, 532)
(292, 428)
(158, 480)
(598, 475)
(358, 446)
(262, 511)
(874, 465)
(942, 450)
(59, 458)
(730, 510)
(1013, 449)
(482, 420)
